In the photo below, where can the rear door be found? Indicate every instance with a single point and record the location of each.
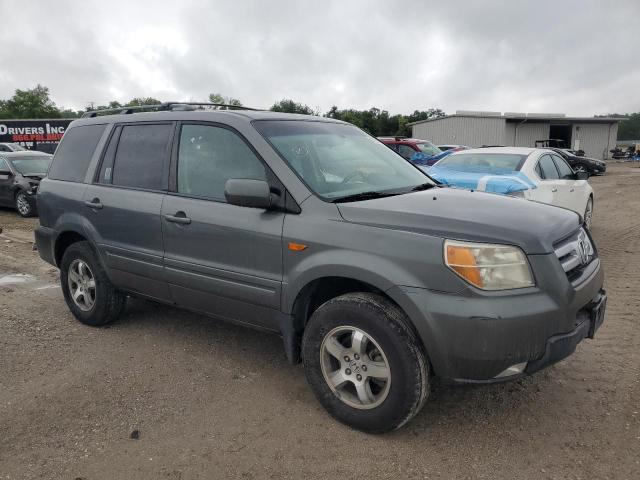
(124, 202)
(220, 258)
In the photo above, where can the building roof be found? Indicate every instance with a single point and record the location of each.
(519, 117)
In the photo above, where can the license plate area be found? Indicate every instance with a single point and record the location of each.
(596, 315)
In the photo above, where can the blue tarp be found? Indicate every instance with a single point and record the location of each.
(422, 159)
(501, 181)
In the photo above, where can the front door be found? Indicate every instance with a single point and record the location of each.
(572, 192)
(123, 206)
(220, 258)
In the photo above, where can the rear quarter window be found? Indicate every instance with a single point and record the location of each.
(74, 153)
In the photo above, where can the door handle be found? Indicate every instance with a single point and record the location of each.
(179, 217)
(94, 204)
(554, 189)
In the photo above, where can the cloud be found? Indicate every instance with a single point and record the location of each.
(576, 57)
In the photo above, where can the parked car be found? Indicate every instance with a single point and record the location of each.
(418, 152)
(580, 163)
(535, 174)
(20, 175)
(376, 277)
(453, 148)
(11, 147)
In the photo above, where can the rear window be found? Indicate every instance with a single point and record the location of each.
(483, 162)
(74, 153)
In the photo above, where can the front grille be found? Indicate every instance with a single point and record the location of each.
(575, 253)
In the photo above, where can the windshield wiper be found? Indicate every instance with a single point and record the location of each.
(363, 196)
(423, 186)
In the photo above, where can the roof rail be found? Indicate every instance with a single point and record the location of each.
(165, 106)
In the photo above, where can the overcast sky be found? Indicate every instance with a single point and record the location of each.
(576, 57)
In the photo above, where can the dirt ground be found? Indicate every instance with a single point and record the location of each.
(213, 400)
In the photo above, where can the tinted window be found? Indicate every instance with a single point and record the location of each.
(209, 156)
(565, 170)
(141, 156)
(74, 153)
(548, 168)
(406, 151)
(106, 169)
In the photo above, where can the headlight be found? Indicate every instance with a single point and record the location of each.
(489, 267)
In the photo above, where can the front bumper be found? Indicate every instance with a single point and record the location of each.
(472, 336)
(599, 169)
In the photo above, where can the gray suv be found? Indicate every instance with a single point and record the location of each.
(376, 277)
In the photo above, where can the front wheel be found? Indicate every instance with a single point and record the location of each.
(364, 362)
(24, 205)
(588, 213)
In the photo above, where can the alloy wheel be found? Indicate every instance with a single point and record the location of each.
(82, 285)
(22, 204)
(355, 367)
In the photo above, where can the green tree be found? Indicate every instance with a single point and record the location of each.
(218, 98)
(629, 128)
(289, 106)
(139, 101)
(30, 103)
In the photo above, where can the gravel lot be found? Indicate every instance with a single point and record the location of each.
(212, 400)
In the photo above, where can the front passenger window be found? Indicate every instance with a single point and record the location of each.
(209, 156)
(565, 170)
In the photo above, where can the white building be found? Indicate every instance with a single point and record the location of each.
(596, 136)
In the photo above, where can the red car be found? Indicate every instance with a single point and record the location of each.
(419, 152)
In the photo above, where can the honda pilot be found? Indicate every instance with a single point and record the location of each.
(377, 278)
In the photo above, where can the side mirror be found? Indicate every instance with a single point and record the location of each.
(248, 193)
(582, 175)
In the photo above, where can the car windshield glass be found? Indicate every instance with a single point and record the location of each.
(16, 147)
(37, 165)
(429, 148)
(337, 160)
(483, 162)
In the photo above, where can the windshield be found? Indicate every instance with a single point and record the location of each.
(483, 162)
(37, 165)
(429, 148)
(16, 147)
(336, 160)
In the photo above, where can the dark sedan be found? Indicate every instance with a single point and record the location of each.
(581, 164)
(20, 175)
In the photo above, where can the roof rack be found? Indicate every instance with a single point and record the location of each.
(165, 106)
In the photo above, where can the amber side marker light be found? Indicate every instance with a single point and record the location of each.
(297, 247)
(462, 261)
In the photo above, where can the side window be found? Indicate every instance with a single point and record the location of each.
(141, 155)
(4, 167)
(549, 171)
(565, 170)
(74, 153)
(406, 151)
(209, 156)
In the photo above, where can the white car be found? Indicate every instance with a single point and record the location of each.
(533, 173)
(11, 147)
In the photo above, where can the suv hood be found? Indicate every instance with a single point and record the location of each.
(465, 215)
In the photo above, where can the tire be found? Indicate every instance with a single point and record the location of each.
(588, 213)
(102, 304)
(23, 205)
(391, 341)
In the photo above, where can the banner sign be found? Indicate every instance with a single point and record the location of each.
(42, 135)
